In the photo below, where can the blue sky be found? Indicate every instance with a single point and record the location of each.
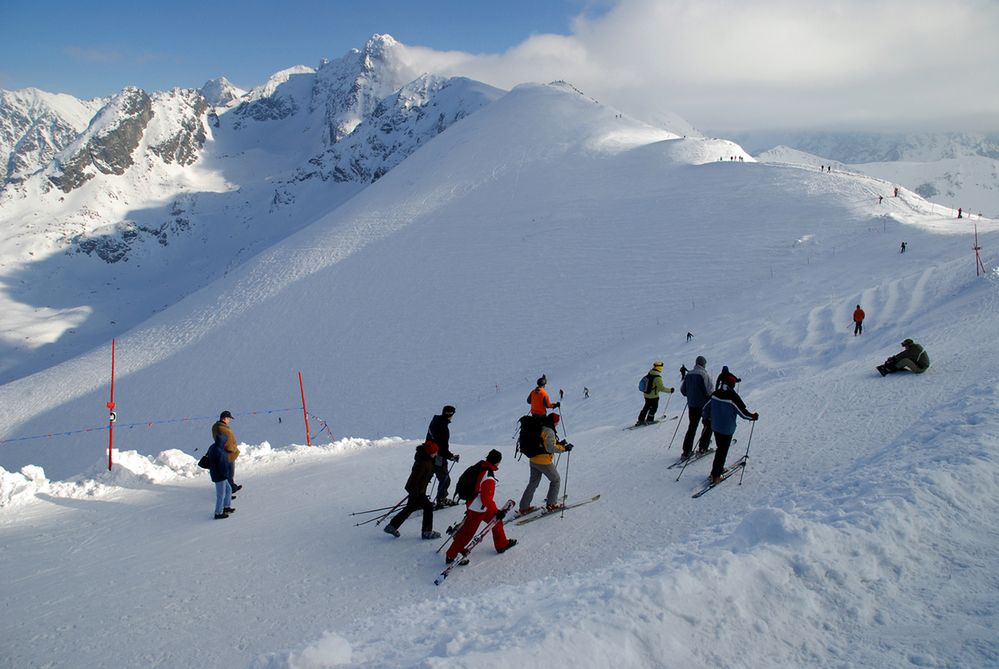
(723, 65)
(90, 49)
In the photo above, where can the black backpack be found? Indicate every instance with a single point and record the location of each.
(465, 488)
(529, 440)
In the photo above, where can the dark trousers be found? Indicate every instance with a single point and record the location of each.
(722, 442)
(443, 479)
(858, 327)
(648, 411)
(416, 502)
(694, 416)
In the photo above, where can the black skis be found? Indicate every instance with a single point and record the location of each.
(729, 471)
(694, 457)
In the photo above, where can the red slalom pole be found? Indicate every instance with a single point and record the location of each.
(305, 412)
(110, 405)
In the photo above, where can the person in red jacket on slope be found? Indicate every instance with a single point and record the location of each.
(858, 321)
(482, 508)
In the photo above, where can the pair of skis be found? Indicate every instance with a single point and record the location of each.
(531, 517)
(739, 465)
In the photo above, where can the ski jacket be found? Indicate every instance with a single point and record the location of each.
(657, 385)
(722, 409)
(916, 353)
(485, 489)
(439, 432)
(539, 401)
(551, 444)
(858, 315)
(423, 469)
(218, 462)
(230, 442)
(696, 387)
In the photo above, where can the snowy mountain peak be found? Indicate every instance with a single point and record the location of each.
(220, 92)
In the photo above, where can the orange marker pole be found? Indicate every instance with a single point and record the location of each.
(305, 412)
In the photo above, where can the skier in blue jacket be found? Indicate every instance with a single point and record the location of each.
(721, 410)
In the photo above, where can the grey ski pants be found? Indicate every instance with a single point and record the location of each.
(554, 482)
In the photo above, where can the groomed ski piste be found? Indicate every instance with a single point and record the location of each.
(542, 234)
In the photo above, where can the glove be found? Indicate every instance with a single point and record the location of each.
(556, 405)
(756, 416)
(671, 390)
(454, 457)
(568, 447)
(500, 515)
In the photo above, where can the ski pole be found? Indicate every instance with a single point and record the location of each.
(361, 513)
(666, 406)
(565, 490)
(745, 458)
(677, 428)
(378, 519)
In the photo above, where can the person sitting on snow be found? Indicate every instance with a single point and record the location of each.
(913, 358)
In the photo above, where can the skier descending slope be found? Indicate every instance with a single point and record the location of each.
(542, 464)
(721, 410)
(482, 508)
(696, 387)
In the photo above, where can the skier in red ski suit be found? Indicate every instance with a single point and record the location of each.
(482, 508)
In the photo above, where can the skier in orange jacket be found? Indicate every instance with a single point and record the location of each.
(858, 321)
(539, 400)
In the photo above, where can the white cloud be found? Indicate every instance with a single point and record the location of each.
(768, 63)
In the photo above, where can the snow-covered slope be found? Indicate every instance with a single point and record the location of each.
(544, 233)
(954, 169)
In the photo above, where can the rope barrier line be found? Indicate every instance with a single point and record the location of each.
(149, 424)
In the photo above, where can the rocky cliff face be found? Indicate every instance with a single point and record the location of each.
(106, 146)
(35, 126)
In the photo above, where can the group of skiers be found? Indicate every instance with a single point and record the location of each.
(715, 406)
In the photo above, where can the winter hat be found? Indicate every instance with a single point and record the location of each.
(448, 410)
(225, 414)
(494, 457)
(907, 342)
(543, 380)
(555, 418)
(430, 447)
(701, 360)
(730, 380)
(658, 364)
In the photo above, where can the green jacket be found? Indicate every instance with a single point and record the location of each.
(657, 385)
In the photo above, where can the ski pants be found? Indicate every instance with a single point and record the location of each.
(416, 502)
(722, 442)
(694, 417)
(468, 529)
(443, 478)
(908, 365)
(648, 412)
(858, 328)
(223, 496)
(554, 482)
